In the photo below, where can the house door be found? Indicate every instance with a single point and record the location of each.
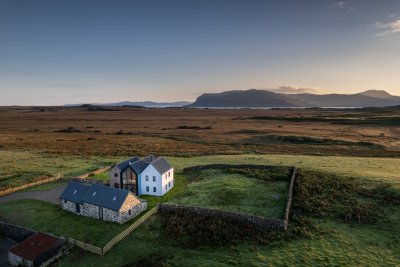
(100, 213)
(77, 208)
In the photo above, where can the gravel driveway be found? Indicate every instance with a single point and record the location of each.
(50, 195)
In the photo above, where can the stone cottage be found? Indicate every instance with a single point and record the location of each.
(101, 202)
(147, 176)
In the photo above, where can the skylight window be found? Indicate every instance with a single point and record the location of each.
(94, 193)
(75, 191)
(114, 198)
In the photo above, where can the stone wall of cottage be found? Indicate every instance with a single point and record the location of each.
(90, 210)
(132, 204)
(135, 211)
(69, 205)
(16, 260)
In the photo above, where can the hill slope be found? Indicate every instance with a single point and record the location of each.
(265, 98)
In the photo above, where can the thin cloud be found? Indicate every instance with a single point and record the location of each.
(387, 28)
(289, 89)
(344, 5)
(340, 4)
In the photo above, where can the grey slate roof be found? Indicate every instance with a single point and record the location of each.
(96, 194)
(105, 196)
(150, 158)
(122, 165)
(161, 165)
(139, 166)
(74, 192)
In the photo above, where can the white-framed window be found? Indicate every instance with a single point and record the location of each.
(169, 184)
(147, 178)
(166, 187)
(154, 189)
(169, 174)
(154, 178)
(147, 189)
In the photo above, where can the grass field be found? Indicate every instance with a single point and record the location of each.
(20, 167)
(51, 218)
(337, 244)
(17, 167)
(234, 192)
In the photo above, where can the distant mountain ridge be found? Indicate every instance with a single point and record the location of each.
(264, 98)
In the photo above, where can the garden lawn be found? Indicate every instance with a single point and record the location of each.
(50, 218)
(217, 189)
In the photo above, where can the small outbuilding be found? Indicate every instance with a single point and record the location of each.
(35, 250)
(101, 202)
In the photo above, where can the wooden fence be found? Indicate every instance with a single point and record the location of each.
(49, 180)
(86, 246)
(24, 186)
(129, 230)
(88, 174)
(116, 239)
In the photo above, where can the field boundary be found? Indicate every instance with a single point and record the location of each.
(91, 173)
(49, 180)
(232, 216)
(29, 185)
(116, 239)
(289, 199)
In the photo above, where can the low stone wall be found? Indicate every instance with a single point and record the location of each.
(227, 216)
(225, 166)
(14, 232)
(289, 199)
(88, 181)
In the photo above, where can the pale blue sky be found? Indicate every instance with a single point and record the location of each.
(56, 52)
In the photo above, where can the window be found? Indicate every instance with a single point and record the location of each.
(115, 198)
(115, 174)
(65, 201)
(154, 189)
(169, 174)
(154, 178)
(94, 193)
(147, 189)
(116, 185)
(169, 184)
(129, 212)
(147, 178)
(166, 187)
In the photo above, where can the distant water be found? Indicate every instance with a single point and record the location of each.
(269, 108)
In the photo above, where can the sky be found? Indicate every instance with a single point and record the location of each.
(55, 52)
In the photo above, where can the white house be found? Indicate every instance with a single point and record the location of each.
(148, 176)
